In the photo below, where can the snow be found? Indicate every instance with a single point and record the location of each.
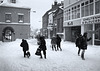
(12, 59)
(18, 4)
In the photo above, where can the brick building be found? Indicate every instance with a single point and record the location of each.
(14, 21)
(48, 26)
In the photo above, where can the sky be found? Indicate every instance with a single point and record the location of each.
(40, 6)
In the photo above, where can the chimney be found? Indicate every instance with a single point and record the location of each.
(55, 2)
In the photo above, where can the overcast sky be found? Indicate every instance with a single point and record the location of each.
(40, 6)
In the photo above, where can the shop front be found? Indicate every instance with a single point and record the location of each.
(91, 25)
(71, 29)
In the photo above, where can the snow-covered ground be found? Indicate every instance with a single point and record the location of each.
(11, 58)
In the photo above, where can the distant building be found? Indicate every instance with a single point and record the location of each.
(45, 24)
(82, 16)
(58, 22)
(48, 20)
(14, 21)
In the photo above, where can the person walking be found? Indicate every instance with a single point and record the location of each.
(79, 43)
(84, 44)
(42, 47)
(58, 42)
(25, 46)
(53, 43)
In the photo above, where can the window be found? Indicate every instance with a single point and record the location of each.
(8, 17)
(1, 1)
(65, 15)
(69, 15)
(97, 5)
(91, 7)
(13, 1)
(78, 11)
(86, 8)
(91, 1)
(82, 9)
(82, 4)
(72, 13)
(86, 2)
(97, 34)
(20, 18)
(75, 12)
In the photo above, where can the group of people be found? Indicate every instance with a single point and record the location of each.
(81, 43)
(56, 43)
(42, 47)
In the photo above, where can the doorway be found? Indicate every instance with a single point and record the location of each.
(8, 34)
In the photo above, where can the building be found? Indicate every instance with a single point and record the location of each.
(48, 20)
(58, 22)
(45, 24)
(82, 16)
(14, 21)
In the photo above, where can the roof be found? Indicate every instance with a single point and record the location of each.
(8, 4)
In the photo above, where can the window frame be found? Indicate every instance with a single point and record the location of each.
(8, 19)
(20, 20)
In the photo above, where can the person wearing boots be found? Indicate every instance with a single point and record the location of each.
(25, 46)
(58, 42)
(84, 44)
(78, 43)
(53, 43)
(42, 47)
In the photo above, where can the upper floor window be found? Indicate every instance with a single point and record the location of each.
(87, 8)
(97, 5)
(8, 17)
(91, 1)
(13, 1)
(20, 18)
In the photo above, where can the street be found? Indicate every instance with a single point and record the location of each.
(12, 59)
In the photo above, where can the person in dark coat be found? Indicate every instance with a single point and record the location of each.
(58, 42)
(42, 47)
(53, 42)
(79, 43)
(84, 44)
(25, 46)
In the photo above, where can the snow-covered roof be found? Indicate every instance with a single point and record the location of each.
(9, 4)
(52, 11)
(61, 7)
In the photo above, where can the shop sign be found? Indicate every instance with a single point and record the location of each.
(70, 23)
(91, 20)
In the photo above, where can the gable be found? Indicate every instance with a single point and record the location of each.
(60, 11)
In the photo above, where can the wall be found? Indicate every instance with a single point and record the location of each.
(67, 34)
(68, 2)
(14, 12)
(21, 31)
